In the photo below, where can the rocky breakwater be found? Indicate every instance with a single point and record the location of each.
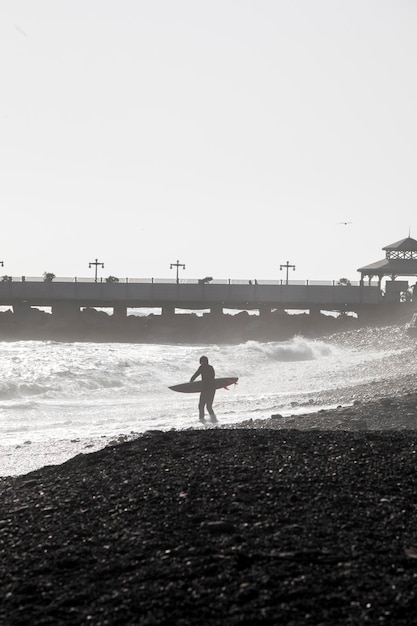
(95, 325)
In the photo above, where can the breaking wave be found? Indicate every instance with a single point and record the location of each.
(54, 390)
(297, 349)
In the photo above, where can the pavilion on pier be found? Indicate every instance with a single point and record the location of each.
(400, 261)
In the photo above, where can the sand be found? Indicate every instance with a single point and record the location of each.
(256, 525)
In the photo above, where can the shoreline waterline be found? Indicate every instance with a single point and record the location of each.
(387, 413)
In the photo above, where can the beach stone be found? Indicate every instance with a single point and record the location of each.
(235, 526)
(219, 527)
(153, 433)
(386, 402)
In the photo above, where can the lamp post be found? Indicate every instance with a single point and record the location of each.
(177, 265)
(96, 264)
(287, 266)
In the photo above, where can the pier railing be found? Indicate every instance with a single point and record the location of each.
(186, 281)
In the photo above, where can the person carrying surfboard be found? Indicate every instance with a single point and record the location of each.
(207, 374)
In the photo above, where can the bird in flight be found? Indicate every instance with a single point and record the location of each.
(345, 223)
(22, 32)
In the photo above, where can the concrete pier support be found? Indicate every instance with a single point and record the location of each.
(314, 311)
(216, 310)
(264, 310)
(120, 310)
(21, 308)
(65, 309)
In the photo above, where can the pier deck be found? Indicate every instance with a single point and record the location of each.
(62, 294)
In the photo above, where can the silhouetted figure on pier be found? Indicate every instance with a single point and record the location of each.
(207, 374)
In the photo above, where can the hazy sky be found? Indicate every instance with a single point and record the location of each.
(232, 135)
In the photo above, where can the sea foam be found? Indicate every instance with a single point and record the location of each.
(58, 392)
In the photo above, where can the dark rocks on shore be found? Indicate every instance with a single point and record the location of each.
(94, 325)
(247, 527)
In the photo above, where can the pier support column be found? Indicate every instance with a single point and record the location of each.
(120, 310)
(21, 308)
(216, 310)
(65, 309)
(314, 311)
(264, 311)
(168, 311)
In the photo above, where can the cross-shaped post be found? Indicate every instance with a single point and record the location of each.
(177, 265)
(96, 263)
(287, 266)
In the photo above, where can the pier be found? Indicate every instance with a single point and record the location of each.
(68, 296)
(365, 298)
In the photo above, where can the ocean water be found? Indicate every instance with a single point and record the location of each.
(61, 399)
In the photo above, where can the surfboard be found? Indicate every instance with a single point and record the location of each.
(197, 385)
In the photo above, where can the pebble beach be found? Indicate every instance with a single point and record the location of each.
(260, 524)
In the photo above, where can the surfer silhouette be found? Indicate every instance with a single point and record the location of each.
(207, 374)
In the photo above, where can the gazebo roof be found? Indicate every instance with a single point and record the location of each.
(406, 245)
(401, 260)
(399, 267)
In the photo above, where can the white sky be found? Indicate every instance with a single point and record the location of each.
(232, 135)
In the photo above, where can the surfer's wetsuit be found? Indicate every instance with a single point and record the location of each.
(207, 374)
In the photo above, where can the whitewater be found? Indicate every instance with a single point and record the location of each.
(61, 399)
